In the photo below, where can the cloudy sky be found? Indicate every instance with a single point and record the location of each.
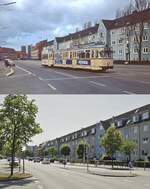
(59, 114)
(29, 21)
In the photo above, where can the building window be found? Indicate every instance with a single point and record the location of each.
(101, 34)
(145, 50)
(145, 116)
(135, 51)
(135, 130)
(113, 42)
(136, 119)
(120, 41)
(145, 140)
(145, 128)
(93, 131)
(120, 123)
(145, 38)
(145, 26)
(120, 52)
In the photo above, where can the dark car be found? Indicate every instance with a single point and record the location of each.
(37, 160)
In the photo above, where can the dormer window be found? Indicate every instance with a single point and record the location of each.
(145, 116)
(120, 123)
(136, 118)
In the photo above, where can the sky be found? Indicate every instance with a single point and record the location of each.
(62, 114)
(29, 21)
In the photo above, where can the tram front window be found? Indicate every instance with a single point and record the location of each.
(103, 54)
(45, 56)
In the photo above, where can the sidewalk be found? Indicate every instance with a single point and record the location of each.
(106, 170)
(3, 70)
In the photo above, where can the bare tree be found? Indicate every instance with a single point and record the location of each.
(137, 29)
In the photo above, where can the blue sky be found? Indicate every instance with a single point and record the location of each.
(29, 21)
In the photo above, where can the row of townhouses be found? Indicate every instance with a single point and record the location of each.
(134, 125)
(117, 33)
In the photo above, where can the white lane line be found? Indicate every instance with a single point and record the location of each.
(65, 74)
(128, 92)
(41, 79)
(40, 187)
(145, 82)
(24, 70)
(52, 87)
(99, 84)
(92, 77)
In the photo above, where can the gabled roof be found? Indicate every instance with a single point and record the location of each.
(126, 116)
(134, 18)
(76, 35)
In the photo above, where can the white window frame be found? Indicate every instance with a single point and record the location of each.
(145, 50)
(145, 38)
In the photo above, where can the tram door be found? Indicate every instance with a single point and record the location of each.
(58, 58)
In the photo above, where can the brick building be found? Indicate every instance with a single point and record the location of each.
(7, 53)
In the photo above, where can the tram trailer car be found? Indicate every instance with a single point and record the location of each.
(94, 59)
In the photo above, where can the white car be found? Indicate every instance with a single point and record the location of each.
(46, 161)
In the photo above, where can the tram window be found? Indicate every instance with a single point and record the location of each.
(93, 54)
(87, 53)
(71, 55)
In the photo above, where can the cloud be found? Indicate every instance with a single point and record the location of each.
(29, 21)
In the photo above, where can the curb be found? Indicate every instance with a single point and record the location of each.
(10, 73)
(113, 175)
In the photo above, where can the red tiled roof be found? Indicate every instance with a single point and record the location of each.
(76, 35)
(134, 18)
(6, 50)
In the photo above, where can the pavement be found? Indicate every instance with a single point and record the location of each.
(55, 176)
(31, 78)
(3, 70)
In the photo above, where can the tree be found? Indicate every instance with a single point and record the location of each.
(112, 141)
(52, 151)
(82, 150)
(18, 122)
(65, 150)
(128, 147)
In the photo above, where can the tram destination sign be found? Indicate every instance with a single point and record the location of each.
(84, 62)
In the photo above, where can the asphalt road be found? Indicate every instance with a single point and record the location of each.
(31, 78)
(56, 177)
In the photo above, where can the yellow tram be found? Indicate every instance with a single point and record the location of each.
(95, 59)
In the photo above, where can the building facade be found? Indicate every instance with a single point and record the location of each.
(36, 51)
(134, 125)
(7, 53)
(23, 49)
(119, 34)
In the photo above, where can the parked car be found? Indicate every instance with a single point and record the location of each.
(46, 161)
(37, 160)
(30, 158)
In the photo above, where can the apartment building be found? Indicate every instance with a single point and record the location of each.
(134, 125)
(118, 34)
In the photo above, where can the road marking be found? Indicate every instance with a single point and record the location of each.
(24, 70)
(128, 92)
(41, 79)
(92, 77)
(145, 82)
(66, 74)
(40, 187)
(130, 181)
(99, 84)
(52, 87)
